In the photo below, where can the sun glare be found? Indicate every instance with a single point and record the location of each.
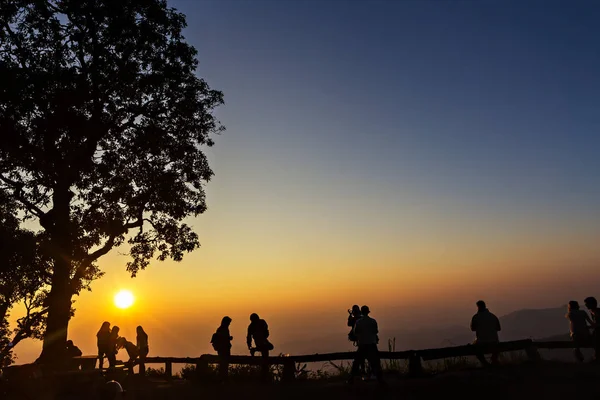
(124, 299)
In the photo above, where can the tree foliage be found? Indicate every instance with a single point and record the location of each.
(21, 280)
(104, 121)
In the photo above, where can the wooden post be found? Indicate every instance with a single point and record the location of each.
(289, 371)
(202, 368)
(414, 365)
(169, 369)
(532, 352)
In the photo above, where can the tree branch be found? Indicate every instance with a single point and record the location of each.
(18, 193)
(108, 245)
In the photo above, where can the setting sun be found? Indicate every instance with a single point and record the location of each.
(124, 299)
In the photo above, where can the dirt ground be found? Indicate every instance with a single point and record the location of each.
(546, 380)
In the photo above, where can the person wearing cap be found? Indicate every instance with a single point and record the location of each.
(221, 342)
(366, 332)
(486, 327)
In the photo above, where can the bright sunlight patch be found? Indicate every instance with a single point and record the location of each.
(124, 299)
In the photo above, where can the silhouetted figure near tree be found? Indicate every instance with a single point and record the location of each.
(103, 337)
(592, 304)
(112, 347)
(366, 331)
(221, 342)
(259, 331)
(143, 348)
(72, 351)
(579, 328)
(486, 327)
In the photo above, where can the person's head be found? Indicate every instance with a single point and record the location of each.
(105, 326)
(115, 329)
(140, 331)
(355, 310)
(121, 342)
(573, 305)
(364, 310)
(69, 343)
(226, 321)
(254, 317)
(481, 306)
(591, 302)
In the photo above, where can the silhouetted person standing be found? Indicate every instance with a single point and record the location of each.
(143, 348)
(354, 315)
(366, 331)
(580, 331)
(486, 327)
(592, 304)
(259, 331)
(112, 347)
(221, 342)
(103, 337)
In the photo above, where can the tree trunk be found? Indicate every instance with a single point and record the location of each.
(61, 292)
(59, 314)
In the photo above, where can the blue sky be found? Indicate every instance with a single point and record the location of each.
(494, 100)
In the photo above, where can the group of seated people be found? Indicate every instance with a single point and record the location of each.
(109, 344)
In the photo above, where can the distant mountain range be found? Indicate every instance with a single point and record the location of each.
(523, 324)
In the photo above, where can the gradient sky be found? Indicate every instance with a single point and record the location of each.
(412, 155)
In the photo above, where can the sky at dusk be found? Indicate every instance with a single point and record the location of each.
(411, 155)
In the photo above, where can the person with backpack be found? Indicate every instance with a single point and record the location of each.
(366, 331)
(258, 330)
(221, 342)
(353, 316)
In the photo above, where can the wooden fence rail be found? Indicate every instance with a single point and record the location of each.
(414, 357)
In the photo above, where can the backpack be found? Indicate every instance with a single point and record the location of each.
(352, 336)
(215, 341)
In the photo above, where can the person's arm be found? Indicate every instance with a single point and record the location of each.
(357, 327)
(589, 321)
(249, 337)
(474, 323)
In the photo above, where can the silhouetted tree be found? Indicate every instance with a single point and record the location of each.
(21, 280)
(103, 121)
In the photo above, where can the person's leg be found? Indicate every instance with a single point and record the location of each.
(480, 355)
(142, 362)
(577, 350)
(359, 360)
(375, 362)
(100, 359)
(265, 364)
(112, 359)
(596, 344)
(224, 364)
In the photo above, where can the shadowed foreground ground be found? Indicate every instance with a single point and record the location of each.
(545, 381)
